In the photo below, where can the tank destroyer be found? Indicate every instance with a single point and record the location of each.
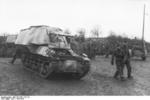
(46, 51)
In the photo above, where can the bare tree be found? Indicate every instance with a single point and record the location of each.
(96, 31)
(81, 32)
(112, 33)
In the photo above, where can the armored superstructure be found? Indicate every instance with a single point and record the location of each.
(46, 50)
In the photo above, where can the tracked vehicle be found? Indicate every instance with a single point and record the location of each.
(46, 51)
(139, 51)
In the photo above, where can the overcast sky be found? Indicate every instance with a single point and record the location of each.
(120, 16)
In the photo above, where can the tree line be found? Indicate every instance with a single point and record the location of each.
(91, 46)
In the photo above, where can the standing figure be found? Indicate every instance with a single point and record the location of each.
(118, 56)
(127, 59)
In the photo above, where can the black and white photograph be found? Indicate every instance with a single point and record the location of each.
(74, 48)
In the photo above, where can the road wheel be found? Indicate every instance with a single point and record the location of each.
(143, 58)
(81, 73)
(45, 70)
(23, 59)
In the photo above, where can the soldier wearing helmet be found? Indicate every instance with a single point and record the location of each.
(127, 58)
(118, 56)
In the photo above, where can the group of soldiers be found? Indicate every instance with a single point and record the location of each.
(121, 56)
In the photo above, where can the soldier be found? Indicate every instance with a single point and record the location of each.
(118, 55)
(127, 59)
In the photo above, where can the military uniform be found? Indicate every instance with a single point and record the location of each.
(127, 59)
(118, 55)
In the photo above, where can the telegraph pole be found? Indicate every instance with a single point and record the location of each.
(143, 27)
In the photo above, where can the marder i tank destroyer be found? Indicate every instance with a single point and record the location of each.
(46, 51)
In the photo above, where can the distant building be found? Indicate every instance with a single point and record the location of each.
(11, 38)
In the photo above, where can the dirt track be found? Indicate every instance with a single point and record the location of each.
(14, 80)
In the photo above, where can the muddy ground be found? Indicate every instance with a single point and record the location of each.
(14, 80)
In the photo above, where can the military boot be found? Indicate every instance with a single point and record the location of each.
(122, 78)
